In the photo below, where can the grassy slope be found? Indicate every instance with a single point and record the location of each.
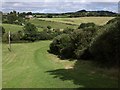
(12, 27)
(58, 22)
(77, 21)
(43, 24)
(30, 65)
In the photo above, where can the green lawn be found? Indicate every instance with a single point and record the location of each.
(77, 21)
(29, 65)
(12, 27)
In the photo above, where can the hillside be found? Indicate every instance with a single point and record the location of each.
(12, 27)
(41, 23)
(80, 13)
(79, 20)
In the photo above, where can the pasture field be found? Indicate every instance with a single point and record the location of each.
(12, 27)
(78, 21)
(29, 65)
(44, 23)
(58, 23)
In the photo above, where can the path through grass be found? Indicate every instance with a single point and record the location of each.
(30, 65)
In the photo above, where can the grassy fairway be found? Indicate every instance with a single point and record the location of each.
(30, 65)
(12, 27)
(77, 21)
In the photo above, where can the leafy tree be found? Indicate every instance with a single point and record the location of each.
(12, 17)
(30, 32)
(22, 15)
(29, 13)
(105, 48)
(59, 43)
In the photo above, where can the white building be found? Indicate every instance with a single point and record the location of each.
(29, 16)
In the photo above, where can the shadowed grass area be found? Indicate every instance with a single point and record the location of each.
(86, 75)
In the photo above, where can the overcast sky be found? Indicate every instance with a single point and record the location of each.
(58, 6)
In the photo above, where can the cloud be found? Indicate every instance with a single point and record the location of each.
(55, 7)
(60, 0)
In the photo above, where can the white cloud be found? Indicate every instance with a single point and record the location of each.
(17, 4)
(58, 6)
(60, 1)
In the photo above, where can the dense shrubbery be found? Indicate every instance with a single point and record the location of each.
(86, 25)
(62, 46)
(30, 31)
(31, 34)
(89, 42)
(15, 37)
(13, 18)
(105, 48)
(68, 31)
(72, 44)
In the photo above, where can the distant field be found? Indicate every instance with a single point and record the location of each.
(12, 27)
(77, 21)
(44, 23)
(15, 28)
(29, 65)
(58, 23)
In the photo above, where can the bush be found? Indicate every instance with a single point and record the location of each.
(81, 40)
(105, 48)
(68, 31)
(72, 45)
(49, 27)
(112, 21)
(30, 32)
(61, 45)
(85, 25)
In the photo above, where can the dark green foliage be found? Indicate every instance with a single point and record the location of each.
(22, 14)
(62, 46)
(30, 32)
(49, 27)
(81, 40)
(29, 13)
(14, 18)
(2, 31)
(15, 37)
(49, 16)
(106, 47)
(100, 44)
(72, 45)
(112, 21)
(86, 25)
(48, 34)
(68, 30)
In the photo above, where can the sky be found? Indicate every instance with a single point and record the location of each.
(58, 6)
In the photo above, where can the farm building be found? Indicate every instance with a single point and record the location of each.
(29, 16)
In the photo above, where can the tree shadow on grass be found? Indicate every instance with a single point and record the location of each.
(84, 76)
